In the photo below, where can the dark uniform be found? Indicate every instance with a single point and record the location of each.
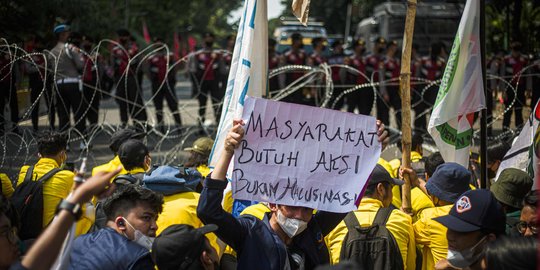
(374, 68)
(129, 96)
(391, 72)
(294, 57)
(513, 66)
(163, 83)
(362, 99)
(36, 82)
(431, 69)
(337, 58)
(91, 95)
(8, 91)
(206, 65)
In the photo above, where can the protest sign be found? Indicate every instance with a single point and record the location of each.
(304, 156)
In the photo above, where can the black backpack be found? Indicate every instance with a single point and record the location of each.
(372, 247)
(28, 200)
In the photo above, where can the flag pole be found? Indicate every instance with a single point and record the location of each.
(405, 88)
(484, 182)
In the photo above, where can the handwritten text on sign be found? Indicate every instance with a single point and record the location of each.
(305, 156)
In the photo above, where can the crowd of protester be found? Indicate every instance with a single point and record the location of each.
(134, 214)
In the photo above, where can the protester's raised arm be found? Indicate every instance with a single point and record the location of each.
(231, 142)
(44, 251)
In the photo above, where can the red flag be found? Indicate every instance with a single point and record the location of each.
(146, 34)
(176, 46)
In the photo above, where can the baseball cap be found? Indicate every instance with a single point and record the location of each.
(62, 27)
(202, 146)
(380, 175)
(178, 246)
(132, 150)
(449, 181)
(122, 136)
(475, 210)
(512, 186)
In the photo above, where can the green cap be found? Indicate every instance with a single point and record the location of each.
(512, 186)
(202, 146)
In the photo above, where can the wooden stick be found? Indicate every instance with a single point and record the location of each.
(405, 88)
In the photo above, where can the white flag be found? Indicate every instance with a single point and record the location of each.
(525, 151)
(249, 69)
(461, 93)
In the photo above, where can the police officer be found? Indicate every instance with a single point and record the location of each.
(337, 58)
(67, 63)
(391, 76)
(92, 96)
(513, 68)
(431, 69)
(274, 61)
(8, 90)
(205, 67)
(361, 99)
(295, 56)
(35, 68)
(375, 72)
(163, 82)
(128, 94)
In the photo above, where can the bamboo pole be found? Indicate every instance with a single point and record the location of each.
(405, 88)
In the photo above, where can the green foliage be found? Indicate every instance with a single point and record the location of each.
(100, 18)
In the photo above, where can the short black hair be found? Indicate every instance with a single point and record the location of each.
(121, 136)
(316, 41)
(296, 36)
(370, 189)
(432, 162)
(127, 197)
(132, 154)
(511, 253)
(416, 141)
(123, 32)
(531, 199)
(52, 143)
(497, 150)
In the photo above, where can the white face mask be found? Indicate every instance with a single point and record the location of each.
(140, 238)
(291, 226)
(466, 257)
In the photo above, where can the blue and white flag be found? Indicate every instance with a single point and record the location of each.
(249, 69)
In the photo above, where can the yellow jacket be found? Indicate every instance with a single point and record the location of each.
(55, 189)
(7, 186)
(181, 208)
(109, 166)
(432, 235)
(419, 200)
(399, 224)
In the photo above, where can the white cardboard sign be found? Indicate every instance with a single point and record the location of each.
(304, 156)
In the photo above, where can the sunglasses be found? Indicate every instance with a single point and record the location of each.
(522, 227)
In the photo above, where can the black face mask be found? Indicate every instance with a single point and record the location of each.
(381, 50)
(209, 43)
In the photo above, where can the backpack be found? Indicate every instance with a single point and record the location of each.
(28, 200)
(372, 247)
(169, 180)
(126, 179)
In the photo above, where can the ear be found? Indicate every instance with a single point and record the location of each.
(120, 223)
(491, 237)
(380, 189)
(205, 258)
(273, 207)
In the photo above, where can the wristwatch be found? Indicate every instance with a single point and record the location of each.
(74, 209)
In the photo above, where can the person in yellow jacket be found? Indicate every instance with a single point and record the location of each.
(117, 139)
(180, 199)
(199, 153)
(378, 194)
(447, 183)
(419, 199)
(7, 186)
(52, 154)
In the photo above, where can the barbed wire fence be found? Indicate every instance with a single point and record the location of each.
(166, 143)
